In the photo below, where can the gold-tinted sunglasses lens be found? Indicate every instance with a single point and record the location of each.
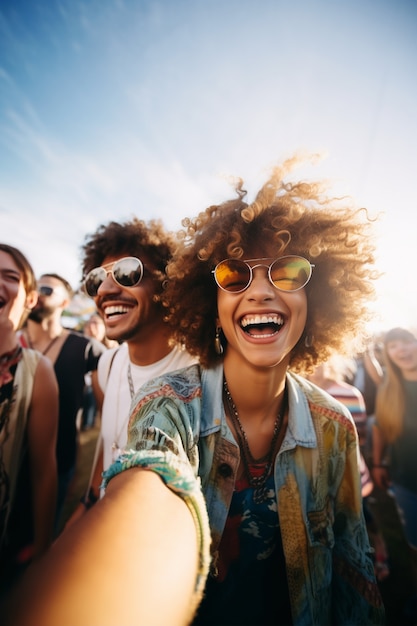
(232, 275)
(290, 273)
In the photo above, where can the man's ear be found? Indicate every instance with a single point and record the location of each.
(31, 299)
(65, 303)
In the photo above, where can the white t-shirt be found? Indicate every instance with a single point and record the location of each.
(117, 396)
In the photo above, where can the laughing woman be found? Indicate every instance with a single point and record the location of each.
(259, 292)
(28, 427)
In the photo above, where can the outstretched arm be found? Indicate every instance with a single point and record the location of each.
(135, 553)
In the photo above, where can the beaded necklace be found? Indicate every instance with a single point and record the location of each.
(258, 483)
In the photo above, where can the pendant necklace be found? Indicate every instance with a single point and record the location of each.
(48, 347)
(116, 449)
(258, 483)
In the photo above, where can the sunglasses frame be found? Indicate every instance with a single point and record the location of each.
(111, 267)
(251, 268)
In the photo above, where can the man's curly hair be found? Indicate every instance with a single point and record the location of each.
(131, 238)
(300, 219)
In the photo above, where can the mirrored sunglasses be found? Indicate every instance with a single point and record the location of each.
(126, 272)
(289, 273)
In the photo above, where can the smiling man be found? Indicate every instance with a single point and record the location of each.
(124, 270)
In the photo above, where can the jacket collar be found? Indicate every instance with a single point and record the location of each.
(300, 429)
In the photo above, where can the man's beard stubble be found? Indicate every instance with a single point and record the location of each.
(39, 313)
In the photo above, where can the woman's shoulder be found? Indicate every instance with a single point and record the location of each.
(170, 402)
(36, 371)
(181, 383)
(31, 358)
(38, 368)
(321, 403)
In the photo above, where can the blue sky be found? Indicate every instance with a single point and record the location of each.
(115, 108)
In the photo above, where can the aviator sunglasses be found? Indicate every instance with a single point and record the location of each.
(289, 273)
(126, 272)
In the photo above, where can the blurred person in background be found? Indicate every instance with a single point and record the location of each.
(395, 436)
(93, 327)
(395, 428)
(73, 356)
(28, 427)
(366, 377)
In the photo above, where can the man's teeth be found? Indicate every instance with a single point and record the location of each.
(112, 310)
(255, 320)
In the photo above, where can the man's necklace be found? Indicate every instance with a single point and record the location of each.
(258, 483)
(130, 380)
(48, 347)
(116, 450)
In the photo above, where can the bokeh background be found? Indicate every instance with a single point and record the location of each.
(114, 108)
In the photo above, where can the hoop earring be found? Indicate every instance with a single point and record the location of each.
(217, 342)
(308, 341)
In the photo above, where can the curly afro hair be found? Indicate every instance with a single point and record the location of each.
(291, 218)
(131, 238)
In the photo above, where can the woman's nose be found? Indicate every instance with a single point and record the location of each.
(260, 285)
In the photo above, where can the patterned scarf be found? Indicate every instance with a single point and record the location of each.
(7, 361)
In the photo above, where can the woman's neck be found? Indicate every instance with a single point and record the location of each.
(410, 375)
(8, 342)
(256, 392)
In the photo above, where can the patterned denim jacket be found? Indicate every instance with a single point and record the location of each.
(178, 428)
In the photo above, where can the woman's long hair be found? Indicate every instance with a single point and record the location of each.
(390, 398)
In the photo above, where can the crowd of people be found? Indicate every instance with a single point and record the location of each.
(245, 418)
